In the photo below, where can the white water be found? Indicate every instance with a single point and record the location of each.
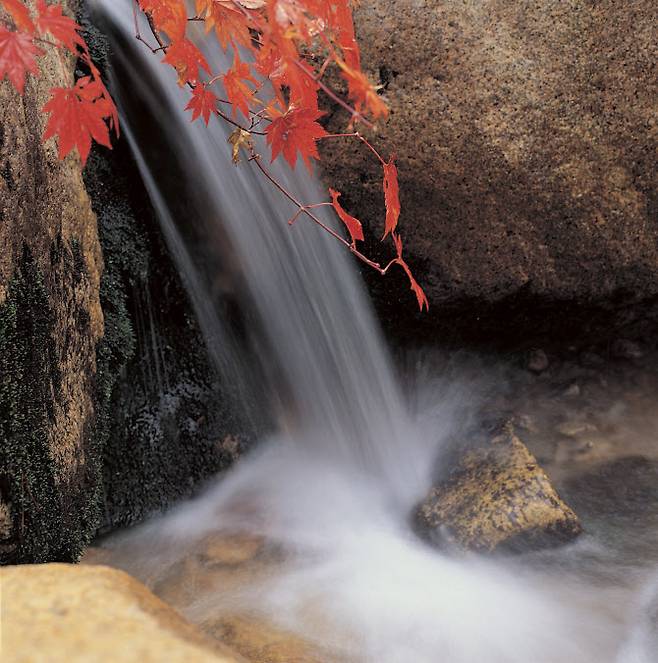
(334, 488)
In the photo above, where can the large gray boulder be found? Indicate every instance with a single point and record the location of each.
(526, 141)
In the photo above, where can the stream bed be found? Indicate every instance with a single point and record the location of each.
(296, 556)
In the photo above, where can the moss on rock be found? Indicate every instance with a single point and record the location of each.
(161, 412)
(43, 520)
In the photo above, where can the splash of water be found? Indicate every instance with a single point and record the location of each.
(335, 486)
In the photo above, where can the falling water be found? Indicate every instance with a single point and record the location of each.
(320, 350)
(287, 321)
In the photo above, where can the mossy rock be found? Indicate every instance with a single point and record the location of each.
(50, 323)
(497, 498)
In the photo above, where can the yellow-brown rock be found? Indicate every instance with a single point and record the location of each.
(497, 498)
(220, 566)
(58, 613)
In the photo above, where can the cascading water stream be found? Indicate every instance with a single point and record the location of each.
(335, 485)
(313, 325)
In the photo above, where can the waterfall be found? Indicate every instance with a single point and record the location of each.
(308, 345)
(292, 332)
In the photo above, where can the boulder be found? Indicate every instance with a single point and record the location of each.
(496, 498)
(50, 323)
(205, 583)
(59, 612)
(526, 137)
(98, 342)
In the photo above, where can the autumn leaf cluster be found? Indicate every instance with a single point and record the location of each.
(78, 114)
(281, 52)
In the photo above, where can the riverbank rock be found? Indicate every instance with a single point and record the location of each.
(525, 137)
(50, 323)
(497, 498)
(77, 614)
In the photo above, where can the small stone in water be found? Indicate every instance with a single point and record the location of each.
(496, 498)
(537, 361)
(591, 359)
(625, 349)
(526, 422)
(572, 391)
(576, 428)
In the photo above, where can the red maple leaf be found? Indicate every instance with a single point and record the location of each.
(418, 291)
(169, 16)
(230, 20)
(362, 92)
(186, 59)
(18, 55)
(295, 130)
(237, 90)
(301, 83)
(202, 104)
(77, 115)
(353, 225)
(20, 13)
(343, 26)
(62, 28)
(391, 196)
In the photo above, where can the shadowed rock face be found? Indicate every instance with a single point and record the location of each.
(526, 142)
(497, 498)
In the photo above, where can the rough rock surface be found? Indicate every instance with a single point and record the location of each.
(110, 407)
(50, 322)
(59, 612)
(526, 139)
(166, 422)
(497, 498)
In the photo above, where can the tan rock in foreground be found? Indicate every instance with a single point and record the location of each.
(497, 498)
(64, 613)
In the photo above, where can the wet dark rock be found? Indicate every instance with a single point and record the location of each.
(496, 498)
(572, 391)
(623, 486)
(575, 428)
(162, 406)
(592, 359)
